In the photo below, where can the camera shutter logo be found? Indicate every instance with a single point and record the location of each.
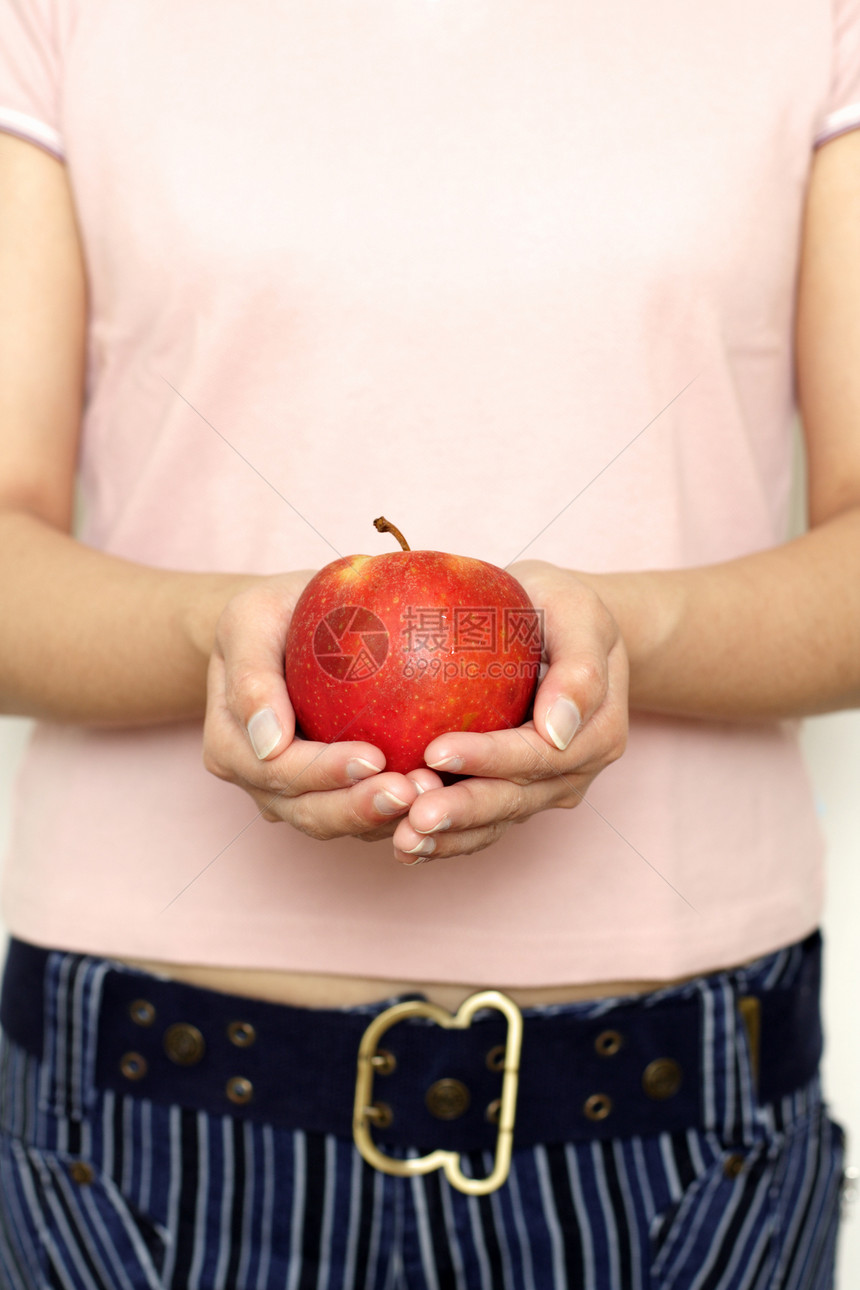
(350, 643)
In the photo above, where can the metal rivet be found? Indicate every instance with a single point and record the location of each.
(733, 1166)
(496, 1058)
(661, 1079)
(383, 1062)
(241, 1033)
(379, 1114)
(81, 1173)
(239, 1090)
(493, 1111)
(608, 1043)
(141, 1012)
(184, 1044)
(447, 1099)
(598, 1106)
(133, 1065)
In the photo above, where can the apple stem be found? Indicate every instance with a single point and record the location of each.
(384, 526)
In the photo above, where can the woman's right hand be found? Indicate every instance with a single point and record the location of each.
(249, 737)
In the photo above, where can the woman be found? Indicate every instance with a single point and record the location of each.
(537, 284)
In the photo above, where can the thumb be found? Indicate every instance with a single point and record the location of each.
(250, 638)
(558, 720)
(578, 642)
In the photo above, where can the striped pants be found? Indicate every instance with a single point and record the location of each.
(105, 1191)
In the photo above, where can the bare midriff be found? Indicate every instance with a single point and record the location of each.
(312, 990)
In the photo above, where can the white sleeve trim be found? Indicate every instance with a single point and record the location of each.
(846, 118)
(29, 127)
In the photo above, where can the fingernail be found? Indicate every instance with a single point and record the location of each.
(425, 847)
(444, 823)
(562, 722)
(264, 732)
(447, 763)
(408, 864)
(357, 768)
(387, 804)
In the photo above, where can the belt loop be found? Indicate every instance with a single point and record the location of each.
(729, 1094)
(72, 994)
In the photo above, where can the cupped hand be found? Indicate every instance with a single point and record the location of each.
(249, 734)
(578, 728)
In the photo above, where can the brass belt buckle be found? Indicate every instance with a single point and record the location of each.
(449, 1161)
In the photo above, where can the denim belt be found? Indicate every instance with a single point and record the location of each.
(631, 1066)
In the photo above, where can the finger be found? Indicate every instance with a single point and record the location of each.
(351, 811)
(468, 842)
(318, 767)
(267, 812)
(577, 680)
(603, 739)
(574, 689)
(302, 766)
(519, 754)
(271, 810)
(522, 756)
(306, 766)
(250, 640)
(424, 779)
(474, 803)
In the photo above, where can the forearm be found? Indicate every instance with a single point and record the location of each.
(91, 638)
(770, 635)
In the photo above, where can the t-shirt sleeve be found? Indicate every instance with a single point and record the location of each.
(842, 106)
(30, 73)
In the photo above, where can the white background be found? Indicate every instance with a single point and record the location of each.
(833, 745)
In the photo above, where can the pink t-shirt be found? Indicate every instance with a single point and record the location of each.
(519, 276)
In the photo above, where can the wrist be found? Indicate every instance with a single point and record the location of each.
(203, 606)
(212, 593)
(648, 607)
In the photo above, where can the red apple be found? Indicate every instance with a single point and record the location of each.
(398, 648)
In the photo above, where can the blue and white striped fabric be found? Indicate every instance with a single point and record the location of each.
(108, 1192)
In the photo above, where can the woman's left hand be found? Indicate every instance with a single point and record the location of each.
(579, 727)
